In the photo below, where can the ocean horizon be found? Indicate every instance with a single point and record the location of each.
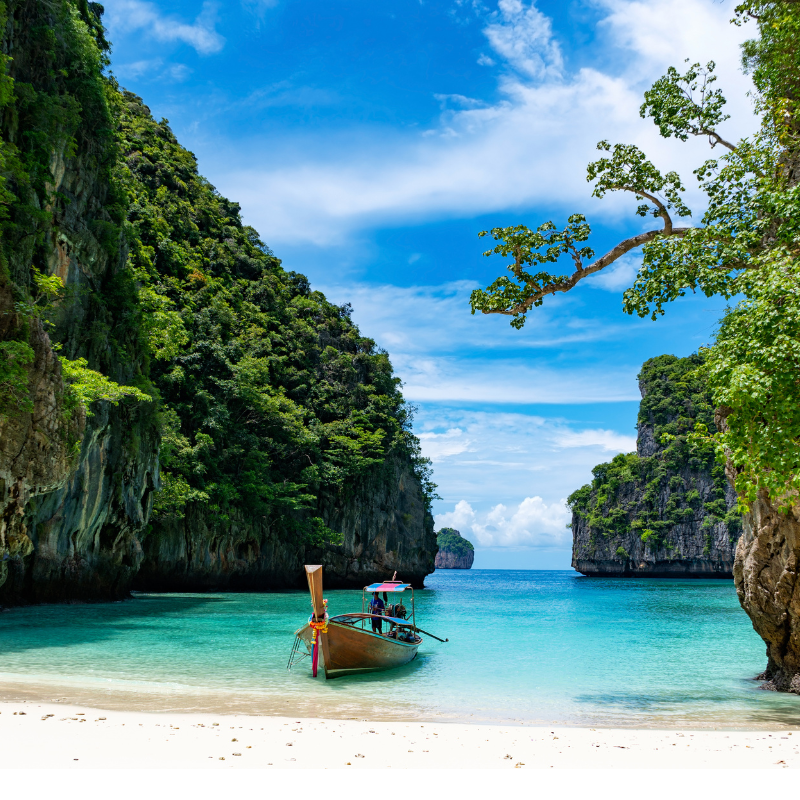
(526, 646)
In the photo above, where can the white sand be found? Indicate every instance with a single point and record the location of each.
(34, 735)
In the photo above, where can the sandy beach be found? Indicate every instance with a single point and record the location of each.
(37, 735)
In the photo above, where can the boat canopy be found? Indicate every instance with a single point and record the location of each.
(387, 586)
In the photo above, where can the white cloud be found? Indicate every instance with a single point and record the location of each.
(436, 319)
(132, 15)
(618, 276)
(443, 353)
(528, 148)
(259, 7)
(440, 445)
(153, 69)
(511, 381)
(610, 441)
(532, 523)
(523, 36)
(492, 457)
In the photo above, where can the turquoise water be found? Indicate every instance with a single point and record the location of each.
(547, 647)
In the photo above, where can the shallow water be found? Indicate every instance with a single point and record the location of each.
(547, 647)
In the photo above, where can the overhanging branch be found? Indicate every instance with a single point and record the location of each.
(610, 257)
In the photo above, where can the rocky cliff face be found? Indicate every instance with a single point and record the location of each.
(455, 552)
(384, 523)
(447, 560)
(74, 491)
(666, 510)
(766, 576)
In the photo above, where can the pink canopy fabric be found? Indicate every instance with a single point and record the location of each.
(387, 586)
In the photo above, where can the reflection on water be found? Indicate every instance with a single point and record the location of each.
(548, 647)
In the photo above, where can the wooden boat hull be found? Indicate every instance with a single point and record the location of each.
(352, 650)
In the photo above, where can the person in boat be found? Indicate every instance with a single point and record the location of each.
(377, 606)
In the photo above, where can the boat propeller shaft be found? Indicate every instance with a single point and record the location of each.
(431, 635)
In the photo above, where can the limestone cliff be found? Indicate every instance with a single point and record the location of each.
(385, 527)
(765, 573)
(455, 552)
(666, 510)
(267, 430)
(74, 491)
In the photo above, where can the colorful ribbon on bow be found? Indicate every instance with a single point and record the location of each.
(317, 627)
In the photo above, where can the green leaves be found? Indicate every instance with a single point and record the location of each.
(752, 370)
(516, 293)
(686, 105)
(85, 386)
(16, 357)
(628, 169)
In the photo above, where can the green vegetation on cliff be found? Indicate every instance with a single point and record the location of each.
(54, 109)
(648, 493)
(270, 393)
(450, 540)
(267, 397)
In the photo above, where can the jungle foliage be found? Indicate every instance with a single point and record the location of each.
(650, 494)
(271, 394)
(744, 245)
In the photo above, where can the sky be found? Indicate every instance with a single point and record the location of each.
(369, 144)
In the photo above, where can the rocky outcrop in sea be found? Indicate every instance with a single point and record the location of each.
(666, 510)
(455, 552)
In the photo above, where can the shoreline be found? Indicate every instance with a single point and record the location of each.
(155, 699)
(203, 701)
(56, 735)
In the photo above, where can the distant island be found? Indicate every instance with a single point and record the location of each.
(455, 552)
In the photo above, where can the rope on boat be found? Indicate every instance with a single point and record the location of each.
(293, 657)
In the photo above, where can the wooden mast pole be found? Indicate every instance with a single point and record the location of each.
(314, 576)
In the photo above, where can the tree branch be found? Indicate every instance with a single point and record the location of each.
(719, 140)
(662, 209)
(609, 258)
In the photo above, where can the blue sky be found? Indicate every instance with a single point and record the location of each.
(369, 143)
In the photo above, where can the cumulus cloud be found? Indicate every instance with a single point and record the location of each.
(133, 15)
(532, 523)
(529, 147)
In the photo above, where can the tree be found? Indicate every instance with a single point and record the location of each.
(747, 244)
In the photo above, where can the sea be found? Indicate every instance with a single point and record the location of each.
(533, 647)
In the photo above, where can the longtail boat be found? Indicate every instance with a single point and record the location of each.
(345, 645)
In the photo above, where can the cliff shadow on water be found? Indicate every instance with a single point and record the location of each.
(666, 510)
(177, 411)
